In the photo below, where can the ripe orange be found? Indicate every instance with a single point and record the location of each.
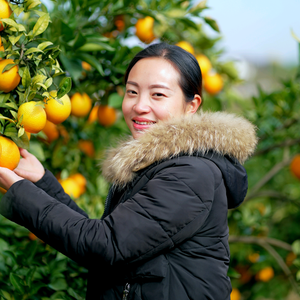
(213, 84)
(186, 46)
(106, 115)
(119, 22)
(10, 154)
(34, 116)
(235, 294)
(86, 66)
(93, 114)
(254, 257)
(80, 180)
(204, 63)
(81, 104)
(295, 166)
(87, 147)
(51, 131)
(71, 187)
(5, 12)
(265, 274)
(144, 29)
(9, 79)
(57, 112)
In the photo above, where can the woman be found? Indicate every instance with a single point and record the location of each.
(163, 234)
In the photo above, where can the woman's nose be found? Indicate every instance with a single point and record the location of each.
(142, 105)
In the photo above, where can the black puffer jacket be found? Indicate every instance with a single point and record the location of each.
(164, 231)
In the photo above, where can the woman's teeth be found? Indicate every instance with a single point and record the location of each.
(143, 123)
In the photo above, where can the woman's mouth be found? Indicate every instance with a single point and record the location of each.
(142, 124)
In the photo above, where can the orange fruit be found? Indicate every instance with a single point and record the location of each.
(51, 131)
(86, 66)
(204, 63)
(295, 166)
(81, 104)
(186, 46)
(80, 180)
(10, 154)
(71, 187)
(213, 84)
(28, 135)
(87, 147)
(5, 12)
(34, 116)
(56, 111)
(119, 22)
(265, 274)
(144, 29)
(253, 257)
(106, 115)
(93, 116)
(235, 294)
(10, 79)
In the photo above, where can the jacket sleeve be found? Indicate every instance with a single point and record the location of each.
(52, 187)
(164, 212)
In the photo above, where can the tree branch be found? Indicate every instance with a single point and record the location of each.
(268, 176)
(279, 145)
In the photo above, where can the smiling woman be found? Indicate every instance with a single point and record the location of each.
(164, 232)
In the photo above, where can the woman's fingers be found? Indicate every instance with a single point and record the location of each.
(24, 153)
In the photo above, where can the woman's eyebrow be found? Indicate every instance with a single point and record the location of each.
(159, 86)
(132, 83)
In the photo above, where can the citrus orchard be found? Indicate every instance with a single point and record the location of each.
(5, 12)
(144, 29)
(106, 115)
(57, 111)
(10, 79)
(81, 104)
(33, 116)
(10, 154)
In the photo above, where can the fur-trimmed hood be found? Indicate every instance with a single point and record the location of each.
(220, 132)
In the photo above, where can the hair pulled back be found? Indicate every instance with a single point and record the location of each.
(184, 62)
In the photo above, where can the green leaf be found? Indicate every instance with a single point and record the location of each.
(11, 132)
(8, 67)
(199, 6)
(64, 87)
(14, 114)
(41, 25)
(296, 247)
(21, 132)
(38, 78)
(212, 23)
(78, 41)
(18, 10)
(26, 78)
(15, 39)
(48, 82)
(92, 61)
(44, 45)
(17, 282)
(32, 3)
(95, 47)
(11, 105)
(12, 23)
(58, 284)
(115, 100)
(32, 50)
(30, 275)
(176, 13)
(42, 85)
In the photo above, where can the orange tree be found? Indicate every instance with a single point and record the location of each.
(82, 48)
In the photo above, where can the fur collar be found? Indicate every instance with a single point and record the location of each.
(221, 132)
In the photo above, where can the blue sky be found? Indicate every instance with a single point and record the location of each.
(258, 30)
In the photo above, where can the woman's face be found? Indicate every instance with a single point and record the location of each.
(153, 94)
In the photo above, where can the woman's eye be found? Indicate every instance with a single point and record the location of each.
(158, 95)
(131, 92)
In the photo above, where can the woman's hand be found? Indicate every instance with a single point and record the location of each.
(8, 178)
(29, 167)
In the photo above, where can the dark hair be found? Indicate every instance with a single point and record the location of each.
(190, 74)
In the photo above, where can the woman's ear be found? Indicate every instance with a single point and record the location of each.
(193, 105)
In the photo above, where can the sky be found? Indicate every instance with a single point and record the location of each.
(258, 30)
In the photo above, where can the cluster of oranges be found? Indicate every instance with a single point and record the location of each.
(212, 81)
(74, 185)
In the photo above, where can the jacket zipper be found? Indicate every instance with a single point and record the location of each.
(126, 291)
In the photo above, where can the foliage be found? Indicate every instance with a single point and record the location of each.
(49, 48)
